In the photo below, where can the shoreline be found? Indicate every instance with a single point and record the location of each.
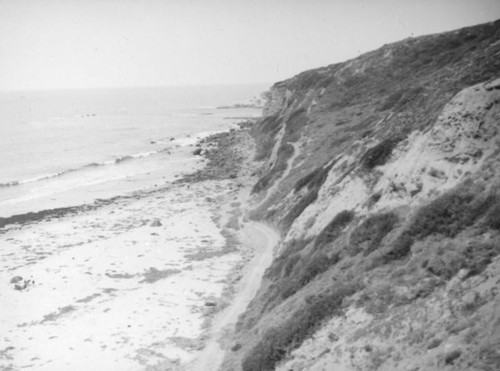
(208, 198)
(178, 177)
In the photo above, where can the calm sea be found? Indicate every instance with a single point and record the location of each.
(55, 144)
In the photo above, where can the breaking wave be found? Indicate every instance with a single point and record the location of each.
(116, 161)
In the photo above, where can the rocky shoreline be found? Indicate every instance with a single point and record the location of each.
(224, 162)
(227, 154)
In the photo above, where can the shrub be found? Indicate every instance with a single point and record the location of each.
(265, 133)
(493, 217)
(399, 99)
(316, 178)
(447, 215)
(366, 133)
(297, 120)
(313, 267)
(290, 264)
(318, 264)
(475, 257)
(374, 198)
(264, 148)
(269, 351)
(452, 356)
(284, 154)
(270, 124)
(307, 79)
(355, 81)
(399, 249)
(369, 234)
(325, 81)
(450, 213)
(298, 208)
(409, 96)
(306, 180)
(445, 265)
(379, 154)
(277, 342)
(334, 228)
(366, 123)
(292, 247)
(391, 100)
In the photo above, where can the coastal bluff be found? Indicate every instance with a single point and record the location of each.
(382, 174)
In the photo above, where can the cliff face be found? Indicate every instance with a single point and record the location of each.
(383, 175)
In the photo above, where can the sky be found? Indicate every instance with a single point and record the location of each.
(53, 44)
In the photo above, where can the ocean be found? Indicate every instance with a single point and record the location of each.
(66, 147)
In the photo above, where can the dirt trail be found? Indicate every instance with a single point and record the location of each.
(262, 239)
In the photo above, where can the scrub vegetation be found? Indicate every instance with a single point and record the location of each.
(417, 260)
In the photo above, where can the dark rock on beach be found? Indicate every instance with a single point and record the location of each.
(156, 223)
(32, 217)
(224, 156)
(16, 279)
(20, 283)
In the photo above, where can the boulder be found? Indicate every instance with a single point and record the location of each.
(156, 223)
(16, 279)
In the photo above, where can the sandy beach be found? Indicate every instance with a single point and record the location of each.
(139, 282)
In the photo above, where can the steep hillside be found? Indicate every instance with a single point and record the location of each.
(383, 175)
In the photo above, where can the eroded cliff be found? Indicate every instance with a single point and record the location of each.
(383, 175)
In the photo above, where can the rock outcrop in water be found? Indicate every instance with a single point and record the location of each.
(383, 175)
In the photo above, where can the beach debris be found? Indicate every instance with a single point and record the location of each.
(120, 275)
(210, 303)
(156, 223)
(16, 279)
(153, 274)
(197, 152)
(20, 283)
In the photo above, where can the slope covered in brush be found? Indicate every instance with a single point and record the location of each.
(383, 175)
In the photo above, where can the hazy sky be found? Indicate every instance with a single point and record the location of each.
(94, 43)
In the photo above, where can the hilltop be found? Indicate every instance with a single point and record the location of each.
(382, 174)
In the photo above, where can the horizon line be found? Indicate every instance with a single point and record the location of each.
(25, 89)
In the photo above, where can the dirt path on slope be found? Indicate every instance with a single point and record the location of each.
(262, 239)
